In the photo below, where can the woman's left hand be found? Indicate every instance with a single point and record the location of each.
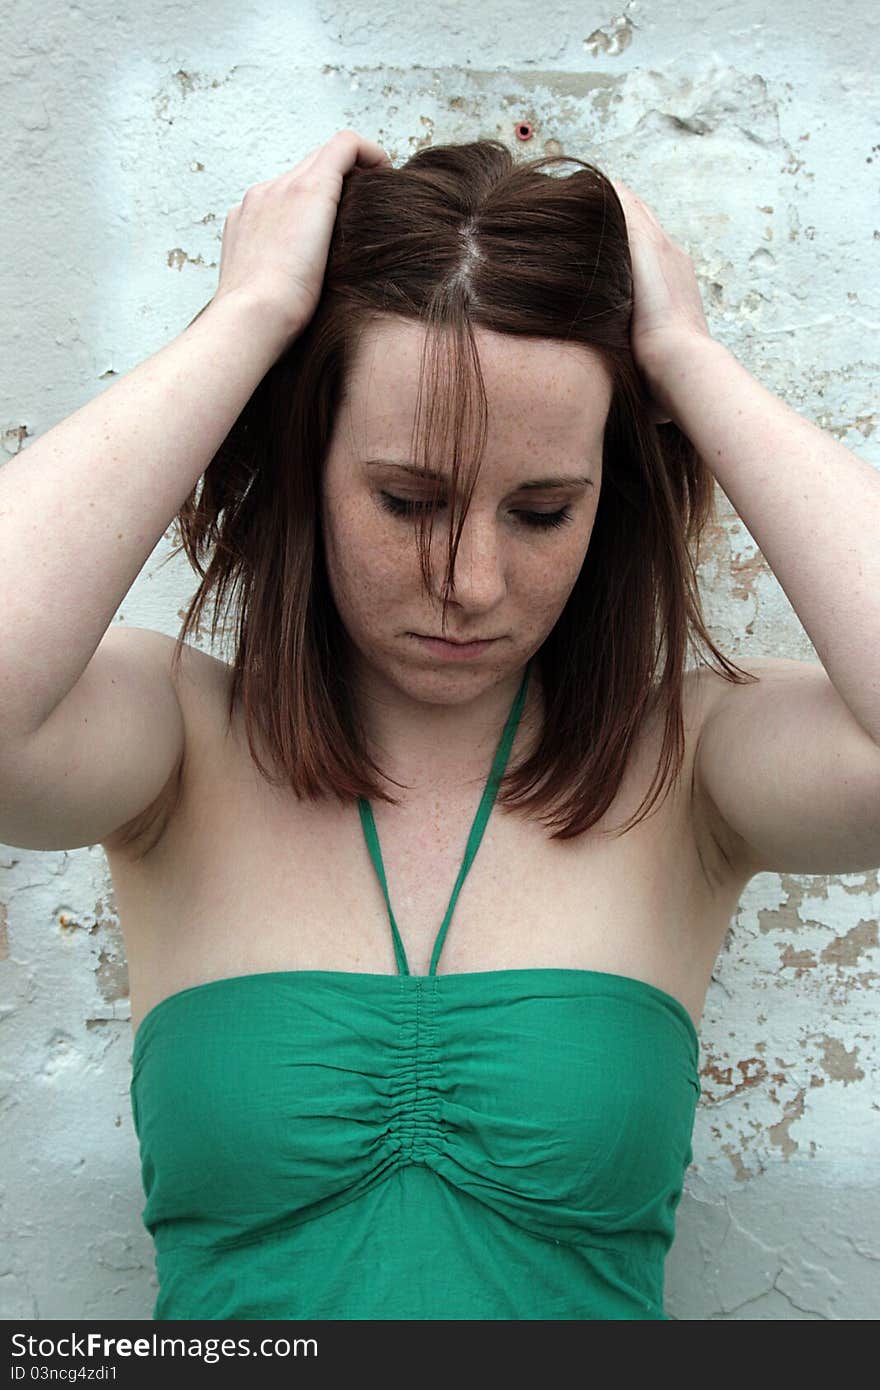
(667, 308)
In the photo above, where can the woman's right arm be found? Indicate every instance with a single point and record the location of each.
(90, 725)
(84, 506)
(81, 511)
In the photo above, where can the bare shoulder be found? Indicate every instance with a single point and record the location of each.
(200, 681)
(739, 733)
(723, 854)
(794, 777)
(197, 674)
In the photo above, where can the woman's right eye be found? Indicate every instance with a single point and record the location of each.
(401, 507)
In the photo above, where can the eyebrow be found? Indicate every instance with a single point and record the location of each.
(560, 480)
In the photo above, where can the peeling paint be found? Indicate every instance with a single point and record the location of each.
(752, 1072)
(611, 40)
(839, 1064)
(787, 916)
(797, 961)
(111, 970)
(740, 1172)
(779, 1134)
(111, 976)
(848, 948)
(178, 258)
(13, 439)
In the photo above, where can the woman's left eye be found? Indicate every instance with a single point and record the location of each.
(400, 506)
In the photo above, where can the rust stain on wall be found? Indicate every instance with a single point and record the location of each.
(752, 1071)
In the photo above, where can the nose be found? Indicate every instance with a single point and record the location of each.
(478, 580)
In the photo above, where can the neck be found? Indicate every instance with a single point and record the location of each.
(445, 749)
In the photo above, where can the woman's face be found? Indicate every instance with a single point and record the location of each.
(547, 405)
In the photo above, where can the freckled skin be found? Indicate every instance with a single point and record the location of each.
(548, 403)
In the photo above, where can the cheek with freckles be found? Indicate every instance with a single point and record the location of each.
(542, 584)
(368, 570)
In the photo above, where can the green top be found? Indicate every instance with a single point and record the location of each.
(344, 1145)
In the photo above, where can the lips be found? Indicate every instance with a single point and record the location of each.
(457, 641)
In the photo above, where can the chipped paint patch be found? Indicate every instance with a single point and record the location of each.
(779, 1134)
(613, 39)
(720, 1082)
(13, 439)
(740, 1172)
(111, 976)
(839, 1064)
(786, 916)
(848, 949)
(178, 258)
(797, 961)
(111, 971)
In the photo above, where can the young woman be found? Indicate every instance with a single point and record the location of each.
(422, 893)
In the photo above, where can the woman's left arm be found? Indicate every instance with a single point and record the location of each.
(792, 764)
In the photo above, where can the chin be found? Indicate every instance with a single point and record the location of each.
(438, 682)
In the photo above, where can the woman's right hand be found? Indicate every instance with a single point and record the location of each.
(276, 240)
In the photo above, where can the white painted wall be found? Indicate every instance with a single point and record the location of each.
(125, 135)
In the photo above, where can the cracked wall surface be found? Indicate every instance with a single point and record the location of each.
(126, 136)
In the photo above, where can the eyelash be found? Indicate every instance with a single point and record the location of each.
(539, 521)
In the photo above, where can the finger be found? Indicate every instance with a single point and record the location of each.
(359, 149)
(364, 152)
(371, 154)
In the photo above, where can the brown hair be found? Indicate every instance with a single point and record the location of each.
(458, 236)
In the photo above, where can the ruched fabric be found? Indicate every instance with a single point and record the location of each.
(498, 1144)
